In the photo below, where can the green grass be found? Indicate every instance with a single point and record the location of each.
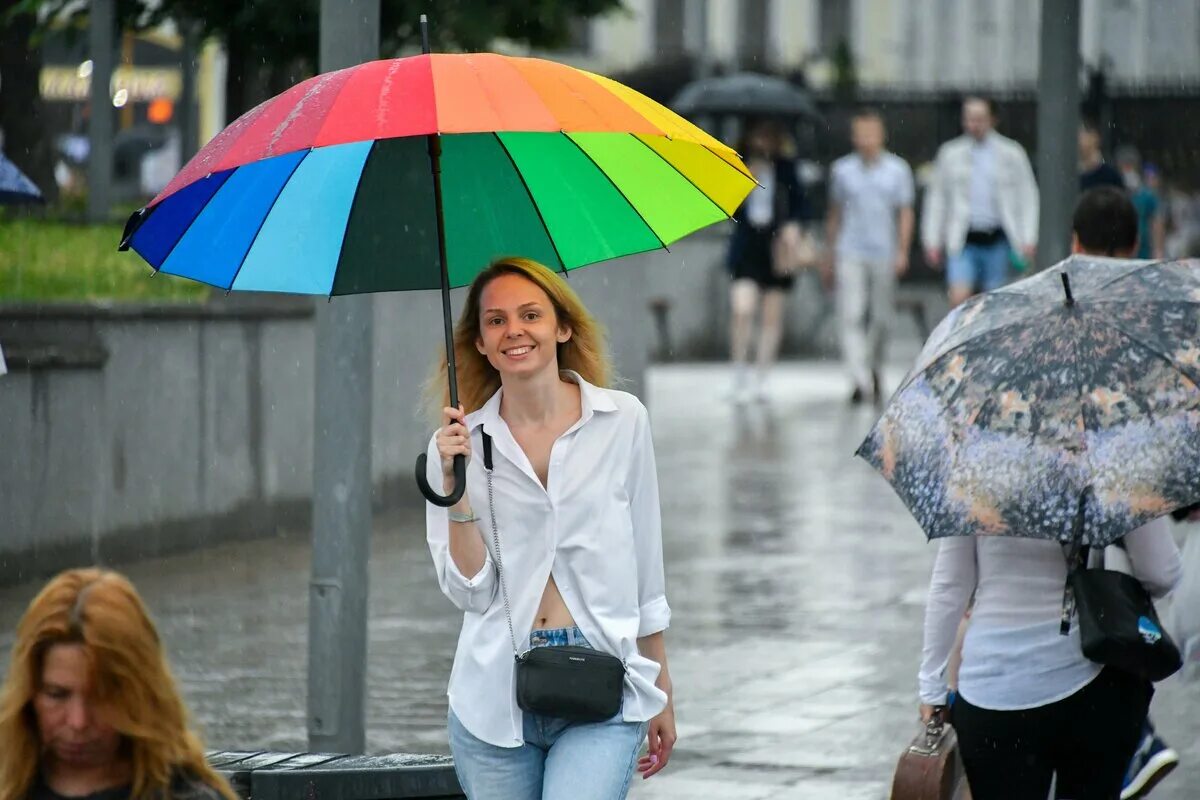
(49, 261)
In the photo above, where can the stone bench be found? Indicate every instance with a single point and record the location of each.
(265, 775)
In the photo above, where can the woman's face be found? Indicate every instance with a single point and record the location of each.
(70, 726)
(761, 143)
(518, 328)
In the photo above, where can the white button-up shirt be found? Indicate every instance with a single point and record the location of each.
(597, 529)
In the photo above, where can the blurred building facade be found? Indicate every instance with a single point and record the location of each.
(895, 44)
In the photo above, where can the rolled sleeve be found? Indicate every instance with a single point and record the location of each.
(654, 617)
(654, 613)
(474, 594)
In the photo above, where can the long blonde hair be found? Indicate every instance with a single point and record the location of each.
(585, 352)
(130, 680)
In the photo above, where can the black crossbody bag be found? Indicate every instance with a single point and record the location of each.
(1118, 625)
(567, 682)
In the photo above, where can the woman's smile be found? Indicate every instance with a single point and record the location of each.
(519, 351)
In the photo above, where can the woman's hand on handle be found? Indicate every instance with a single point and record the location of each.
(452, 440)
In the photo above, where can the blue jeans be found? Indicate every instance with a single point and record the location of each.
(559, 760)
(982, 267)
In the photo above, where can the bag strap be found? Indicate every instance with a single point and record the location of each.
(487, 449)
(489, 466)
(1077, 558)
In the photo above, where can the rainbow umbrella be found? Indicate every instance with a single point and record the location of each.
(415, 173)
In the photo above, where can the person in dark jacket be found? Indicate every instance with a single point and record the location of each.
(774, 209)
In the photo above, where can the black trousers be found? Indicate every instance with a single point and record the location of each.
(1086, 740)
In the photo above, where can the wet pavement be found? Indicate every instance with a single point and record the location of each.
(796, 578)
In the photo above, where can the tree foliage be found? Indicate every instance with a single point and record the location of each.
(270, 44)
(285, 31)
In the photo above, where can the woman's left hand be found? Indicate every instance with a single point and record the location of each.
(660, 740)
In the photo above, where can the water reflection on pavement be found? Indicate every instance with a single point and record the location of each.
(795, 576)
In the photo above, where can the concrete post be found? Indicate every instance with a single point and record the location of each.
(697, 12)
(188, 113)
(1057, 126)
(337, 634)
(101, 31)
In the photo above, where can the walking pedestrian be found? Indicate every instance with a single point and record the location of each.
(776, 208)
(89, 709)
(981, 204)
(556, 543)
(868, 229)
(1029, 706)
(1094, 171)
(1140, 183)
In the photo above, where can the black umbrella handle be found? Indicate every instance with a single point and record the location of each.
(460, 482)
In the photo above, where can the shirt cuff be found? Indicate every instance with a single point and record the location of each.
(934, 693)
(654, 617)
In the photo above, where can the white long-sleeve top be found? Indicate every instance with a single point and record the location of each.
(597, 529)
(1014, 655)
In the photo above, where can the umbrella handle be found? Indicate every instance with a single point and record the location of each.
(460, 482)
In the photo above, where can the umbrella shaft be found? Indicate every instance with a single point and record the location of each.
(435, 165)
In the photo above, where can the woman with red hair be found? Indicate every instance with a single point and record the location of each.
(89, 708)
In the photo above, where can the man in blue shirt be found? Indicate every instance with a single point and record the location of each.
(869, 229)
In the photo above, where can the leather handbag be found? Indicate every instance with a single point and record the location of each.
(566, 682)
(792, 250)
(930, 768)
(1118, 625)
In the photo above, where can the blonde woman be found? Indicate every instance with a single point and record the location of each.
(89, 708)
(564, 551)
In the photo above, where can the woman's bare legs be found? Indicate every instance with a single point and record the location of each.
(743, 296)
(770, 333)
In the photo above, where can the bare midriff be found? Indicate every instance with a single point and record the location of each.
(552, 611)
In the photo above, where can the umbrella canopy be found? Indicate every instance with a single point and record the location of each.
(415, 173)
(327, 189)
(15, 187)
(745, 93)
(1064, 406)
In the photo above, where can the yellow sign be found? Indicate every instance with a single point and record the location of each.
(142, 84)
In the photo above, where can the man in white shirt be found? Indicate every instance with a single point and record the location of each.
(868, 229)
(980, 207)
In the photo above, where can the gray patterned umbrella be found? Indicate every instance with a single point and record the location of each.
(14, 186)
(1064, 406)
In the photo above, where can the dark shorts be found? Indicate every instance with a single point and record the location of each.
(755, 260)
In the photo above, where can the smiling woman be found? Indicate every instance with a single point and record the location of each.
(89, 708)
(564, 567)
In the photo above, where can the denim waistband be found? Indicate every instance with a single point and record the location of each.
(558, 637)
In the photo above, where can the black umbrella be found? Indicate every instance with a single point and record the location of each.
(745, 93)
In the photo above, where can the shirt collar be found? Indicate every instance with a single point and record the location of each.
(592, 399)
